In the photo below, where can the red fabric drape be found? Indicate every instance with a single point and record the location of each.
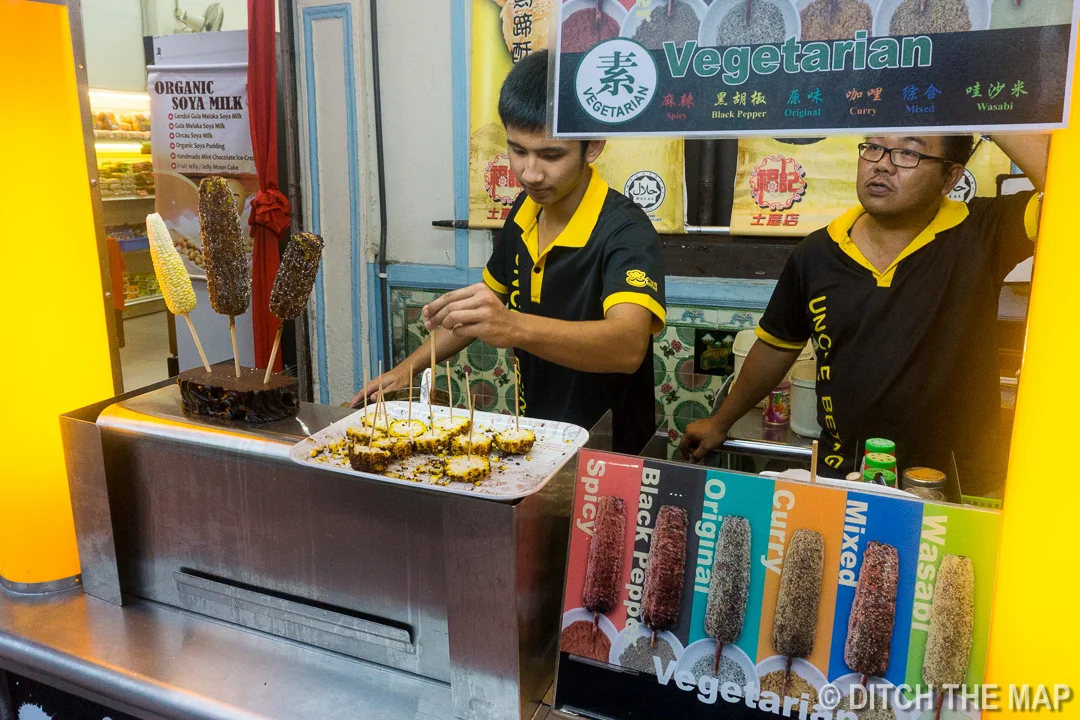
(269, 209)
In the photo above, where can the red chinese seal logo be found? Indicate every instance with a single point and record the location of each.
(777, 183)
(500, 181)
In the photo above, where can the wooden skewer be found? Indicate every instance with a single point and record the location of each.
(371, 435)
(747, 19)
(670, 7)
(922, 5)
(652, 643)
(787, 678)
(716, 660)
(937, 706)
(386, 415)
(813, 462)
(273, 353)
(517, 394)
(450, 390)
(235, 352)
(862, 680)
(198, 345)
(431, 390)
(600, 11)
(410, 399)
(469, 450)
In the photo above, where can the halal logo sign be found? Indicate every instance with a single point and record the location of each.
(647, 189)
(615, 81)
(777, 182)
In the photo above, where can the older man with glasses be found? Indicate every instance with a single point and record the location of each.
(900, 295)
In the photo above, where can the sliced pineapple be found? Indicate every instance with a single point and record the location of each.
(481, 444)
(453, 426)
(407, 428)
(515, 442)
(431, 442)
(462, 468)
(365, 459)
(399, 448)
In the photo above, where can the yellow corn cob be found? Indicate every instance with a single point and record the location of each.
(171, 275)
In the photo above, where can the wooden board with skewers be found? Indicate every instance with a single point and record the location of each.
(501, 457)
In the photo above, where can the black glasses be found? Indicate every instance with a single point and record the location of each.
(900, 157)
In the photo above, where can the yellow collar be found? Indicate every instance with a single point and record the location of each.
(577, 231)
(950, 214)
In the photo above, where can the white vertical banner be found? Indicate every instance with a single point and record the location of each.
(199, 119)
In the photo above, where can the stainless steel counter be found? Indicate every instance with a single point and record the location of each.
(210, 522)
(153, 661)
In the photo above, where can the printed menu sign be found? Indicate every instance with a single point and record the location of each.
(689, 588)
(199, 120)
(732, 67)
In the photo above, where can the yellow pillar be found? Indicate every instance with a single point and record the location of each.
(1035, 634)
(55, 339)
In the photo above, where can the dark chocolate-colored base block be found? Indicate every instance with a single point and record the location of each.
(221, 394)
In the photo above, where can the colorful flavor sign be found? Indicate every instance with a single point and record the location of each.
(812, 66)
(795, 186)
(649, 172)
(616, 662)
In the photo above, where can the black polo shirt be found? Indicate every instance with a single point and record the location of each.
(608, 254)
(911, 353)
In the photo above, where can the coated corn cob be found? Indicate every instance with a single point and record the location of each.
(172, 277)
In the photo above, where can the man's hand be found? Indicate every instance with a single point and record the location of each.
(701, 438)
(396, 379)
(474, 312)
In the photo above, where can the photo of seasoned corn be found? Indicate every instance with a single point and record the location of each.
(399, 448)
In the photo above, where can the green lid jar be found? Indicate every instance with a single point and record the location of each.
(881, 460)
(888, 475)
(879, 445)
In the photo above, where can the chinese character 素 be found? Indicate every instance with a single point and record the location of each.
(615, 72)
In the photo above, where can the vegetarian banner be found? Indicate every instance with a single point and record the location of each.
(741, 67)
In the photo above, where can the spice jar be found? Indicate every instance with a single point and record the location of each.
(888, 475)
(880, 461)
(924, 482)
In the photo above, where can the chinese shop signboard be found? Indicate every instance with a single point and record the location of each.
(742, 67)
(647, 170)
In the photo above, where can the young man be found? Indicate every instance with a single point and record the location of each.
(900, 296)
(579, 266)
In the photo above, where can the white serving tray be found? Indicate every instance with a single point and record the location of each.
(512, 477)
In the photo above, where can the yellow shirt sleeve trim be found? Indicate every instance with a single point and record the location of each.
(644, 300)
(494, 284)
(777, 342)
(1031, 216)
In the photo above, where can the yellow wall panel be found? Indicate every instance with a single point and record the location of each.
(56, 348)
(1035, 632)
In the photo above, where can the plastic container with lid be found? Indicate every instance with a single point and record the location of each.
(881, 461)
(888, 475)
(925, 482)
(804, 399)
